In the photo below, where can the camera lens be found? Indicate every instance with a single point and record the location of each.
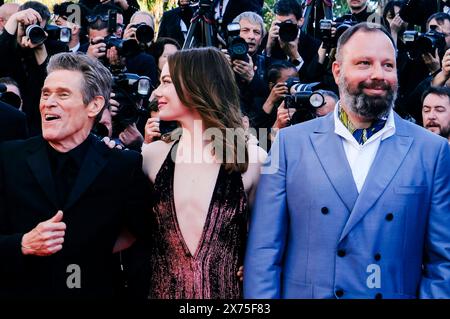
(288, 31)
(36, 34)
(316, 99)
(144, 33)
(65, 34)
(144, 86)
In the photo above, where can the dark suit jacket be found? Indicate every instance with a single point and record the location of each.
(170, 26)
(13, 123)
(236, 7)
(110, 192)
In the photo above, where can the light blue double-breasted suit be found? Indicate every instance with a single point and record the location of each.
(313, 236)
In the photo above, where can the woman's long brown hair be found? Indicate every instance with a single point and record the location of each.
(205, 82)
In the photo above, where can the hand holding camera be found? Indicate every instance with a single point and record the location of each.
(97, 48)
(432, 62)
(284, 116)
(244, 69)
(20, 19)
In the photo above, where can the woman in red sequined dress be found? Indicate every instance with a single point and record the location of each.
(204, 177)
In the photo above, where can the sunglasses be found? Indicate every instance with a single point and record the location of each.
(93, 18)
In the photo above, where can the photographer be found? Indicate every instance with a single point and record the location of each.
(175, 23)
(128, 7)
(101, 47)
(277, 76)
(24, 58)
(63, 18)
(359, 10)
(250, 68)
(431, 69)
(298, 47)
(138, 19)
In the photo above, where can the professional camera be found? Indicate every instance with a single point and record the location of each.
(237, 47)
(305, 101)
(326, 25)
(9, 97)
(417, 11)
(144, 33)
(125, 48)
(421, 43)
(38, 35)
(288, 31)
(132, 92)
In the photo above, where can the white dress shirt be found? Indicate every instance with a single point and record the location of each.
(360, 157)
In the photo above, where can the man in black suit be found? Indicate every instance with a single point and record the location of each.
(65, 196)
(176, 22)
(302, 51)
(226, 10)
(13, 123)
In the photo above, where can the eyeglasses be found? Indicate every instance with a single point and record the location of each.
(93, 18)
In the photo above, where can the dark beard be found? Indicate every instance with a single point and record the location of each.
(445, 132)
(366, 106)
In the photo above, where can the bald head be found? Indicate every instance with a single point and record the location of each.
(7, 10)
(361, 27)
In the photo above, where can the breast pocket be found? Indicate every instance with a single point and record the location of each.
(410, 189)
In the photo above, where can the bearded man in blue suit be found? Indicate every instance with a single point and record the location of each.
(355, 204)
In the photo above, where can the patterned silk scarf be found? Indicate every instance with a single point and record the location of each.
(363, 134)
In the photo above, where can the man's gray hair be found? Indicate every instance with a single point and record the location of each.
(253, 18)
(97, 78)
(143, 13)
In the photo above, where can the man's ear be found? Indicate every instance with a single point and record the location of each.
(336, 69)
(300, 22)
(96, 106)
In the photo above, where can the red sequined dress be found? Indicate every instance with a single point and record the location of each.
(211, 272)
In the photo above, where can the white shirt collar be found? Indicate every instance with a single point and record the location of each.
(340, 129)
(75, 48)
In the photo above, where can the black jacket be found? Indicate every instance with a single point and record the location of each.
(13, 123)
(110, 192)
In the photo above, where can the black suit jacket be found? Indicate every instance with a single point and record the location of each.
(13, 123)
(236, 7)
(110, 192)
(170, 26)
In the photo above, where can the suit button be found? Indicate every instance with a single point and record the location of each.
(325, 210)
(389, 217)
(339, 293)
(341, 253)
(378, 296)
(377, 257)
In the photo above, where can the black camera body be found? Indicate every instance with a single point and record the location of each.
(38, 35)
(9, 97)
(305, 101)
(125, 48)
(237, 47)
(326, 25)
(131, 92)
(422, 43)
(288, 31)
(144, 33)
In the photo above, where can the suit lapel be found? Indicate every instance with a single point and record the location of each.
(95, 160)
(40, 167)
(390, 156)
(330, 151)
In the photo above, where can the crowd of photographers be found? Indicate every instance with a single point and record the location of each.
(283, 73)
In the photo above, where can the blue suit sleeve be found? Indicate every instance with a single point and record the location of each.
(268, 228)
(436, 275)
